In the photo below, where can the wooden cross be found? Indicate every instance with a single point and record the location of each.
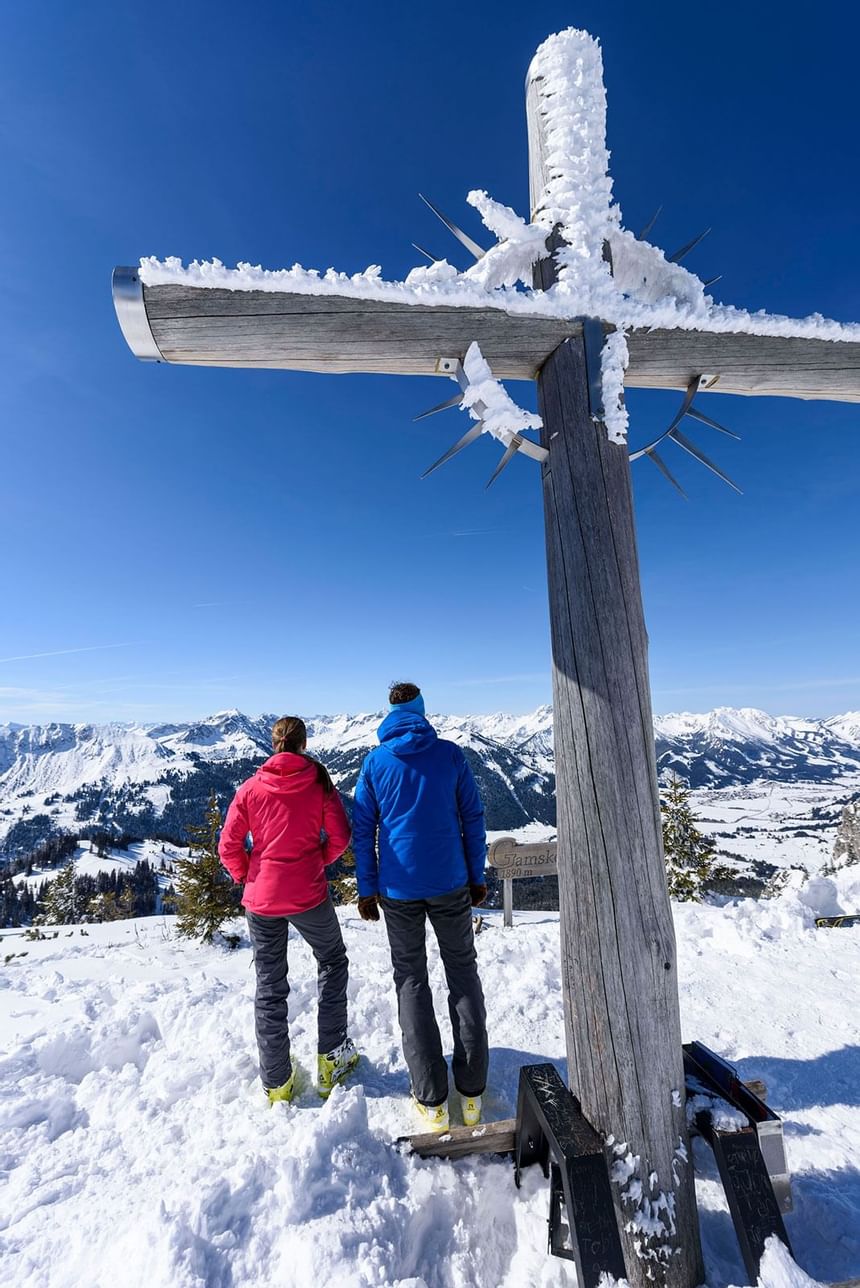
(618, 958)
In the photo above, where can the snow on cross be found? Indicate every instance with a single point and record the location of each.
(592, 279)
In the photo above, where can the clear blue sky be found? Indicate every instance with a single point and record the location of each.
(261, 539)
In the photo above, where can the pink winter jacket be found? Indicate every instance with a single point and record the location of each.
(296, 829)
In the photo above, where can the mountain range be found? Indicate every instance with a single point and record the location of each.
(152, 780)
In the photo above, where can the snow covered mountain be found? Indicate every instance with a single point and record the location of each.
(726, 747)
(153, 779)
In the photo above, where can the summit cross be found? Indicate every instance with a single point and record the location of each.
(576, 302)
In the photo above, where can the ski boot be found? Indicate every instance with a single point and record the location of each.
(284, 1092)
(335, 1066)
(435, 1116)
(471, 1106)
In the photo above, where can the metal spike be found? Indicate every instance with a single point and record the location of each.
(533, 450)
(469, 437)
(712, 280)
(665, 471)
(678, 437)
(453, 401)
(678, 255)
(714, 424)
(463, 238)
(650, 224)
(433, 258)
(510, 453)
(646, 450)
(683, 410)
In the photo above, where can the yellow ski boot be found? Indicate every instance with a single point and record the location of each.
(435, 1116)
(282, 1093)
(335, 1066)
(471, 1110)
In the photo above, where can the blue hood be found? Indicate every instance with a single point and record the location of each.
(406, 733)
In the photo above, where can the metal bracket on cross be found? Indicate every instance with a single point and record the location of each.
(453, 367)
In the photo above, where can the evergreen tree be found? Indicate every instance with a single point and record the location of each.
(126, 900)
(205, 894)
(344, 884)
(690, 856)
(59, 903)
(103, 907)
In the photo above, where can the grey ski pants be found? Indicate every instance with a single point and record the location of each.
(320, 929)
(450, 915)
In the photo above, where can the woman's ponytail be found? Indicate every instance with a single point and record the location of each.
(290, 734)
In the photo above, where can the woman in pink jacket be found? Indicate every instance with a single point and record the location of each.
(292, 815)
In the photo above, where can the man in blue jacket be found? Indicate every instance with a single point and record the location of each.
(420, 847)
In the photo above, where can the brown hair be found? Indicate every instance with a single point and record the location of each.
(291, 734)
(403, 691)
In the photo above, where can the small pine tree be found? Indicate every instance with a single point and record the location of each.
(205, 894)
(59, 904)
(103, 907)
(344, 884)
(690, 856)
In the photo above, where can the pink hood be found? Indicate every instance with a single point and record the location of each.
(296, 829)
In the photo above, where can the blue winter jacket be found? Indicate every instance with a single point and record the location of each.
(417, 818)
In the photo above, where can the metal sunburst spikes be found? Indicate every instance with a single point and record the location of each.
(463, 238)
(454, 368)
(679, 254)
(672, 431)
(643, 233)
(421, 251)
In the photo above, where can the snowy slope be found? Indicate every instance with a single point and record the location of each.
(90, 864)
(137, 1151)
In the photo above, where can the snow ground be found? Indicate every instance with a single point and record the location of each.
(773, 822)
(137, 1149)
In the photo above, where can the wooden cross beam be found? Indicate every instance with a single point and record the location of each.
(208, 327)
(618, 959)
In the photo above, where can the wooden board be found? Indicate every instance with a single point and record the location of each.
(512, 859)
(752, 1203)
(329, 333)
(488, 1138)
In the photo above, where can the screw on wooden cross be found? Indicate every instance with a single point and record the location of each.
(573, 300)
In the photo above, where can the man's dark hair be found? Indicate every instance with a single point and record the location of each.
(402, 691)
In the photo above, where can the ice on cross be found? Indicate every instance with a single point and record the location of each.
(603, 270)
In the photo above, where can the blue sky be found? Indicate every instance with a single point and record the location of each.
(178, 541)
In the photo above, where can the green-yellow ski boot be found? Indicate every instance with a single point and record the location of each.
(434, 1116)
(335, 1066)
(471, 1106)
(282, 1093)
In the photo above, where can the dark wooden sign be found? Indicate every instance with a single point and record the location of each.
(552, 1130)
(752, 1202)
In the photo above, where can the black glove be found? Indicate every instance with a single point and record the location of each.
(478, 893)
(368, 907)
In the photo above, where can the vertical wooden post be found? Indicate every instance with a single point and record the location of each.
(619, 976)
(508, 901)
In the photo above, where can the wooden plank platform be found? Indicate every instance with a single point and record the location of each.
(488, 1138)
(204, 326)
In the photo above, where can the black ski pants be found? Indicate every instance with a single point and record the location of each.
(320, 929)
(450, 915)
